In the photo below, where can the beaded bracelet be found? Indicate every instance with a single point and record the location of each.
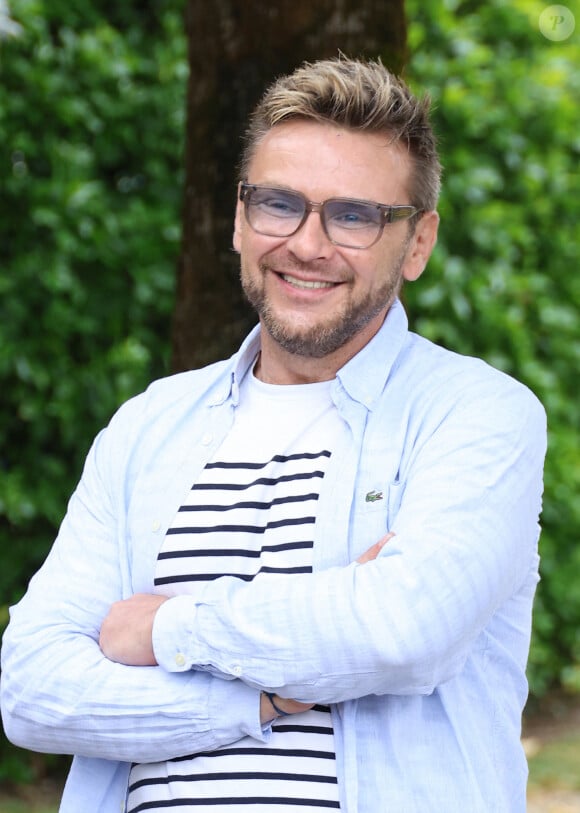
(277, 709)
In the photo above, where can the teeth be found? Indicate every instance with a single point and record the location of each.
(300, 283)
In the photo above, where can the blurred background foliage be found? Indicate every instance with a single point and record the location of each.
(503, 283)
(92, 117)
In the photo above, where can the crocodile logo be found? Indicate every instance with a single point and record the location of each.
(373, 496)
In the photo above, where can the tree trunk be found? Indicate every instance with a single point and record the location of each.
(236, 48)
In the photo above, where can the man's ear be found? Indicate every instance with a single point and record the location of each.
(238, 220)
(422, 244)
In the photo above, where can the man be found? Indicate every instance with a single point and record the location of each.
(301, 578)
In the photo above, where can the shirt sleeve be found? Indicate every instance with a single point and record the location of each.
(59, 693)
(466, 543)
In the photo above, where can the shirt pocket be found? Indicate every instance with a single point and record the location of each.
(375, 512)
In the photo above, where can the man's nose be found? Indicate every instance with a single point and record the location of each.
(310, 242)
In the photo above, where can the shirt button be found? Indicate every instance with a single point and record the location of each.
(155, 526)
(237, 670)
(207, 439)
(180, 659)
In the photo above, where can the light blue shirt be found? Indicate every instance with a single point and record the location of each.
(422, 652)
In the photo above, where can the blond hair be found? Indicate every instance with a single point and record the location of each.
(356, 95)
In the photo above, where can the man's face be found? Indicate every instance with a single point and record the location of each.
(314, 298)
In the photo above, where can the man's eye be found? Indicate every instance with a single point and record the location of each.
(353, 217)
(279, 206)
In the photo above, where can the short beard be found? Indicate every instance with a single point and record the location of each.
(323, 340)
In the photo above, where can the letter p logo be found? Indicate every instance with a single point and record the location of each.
(557, 23)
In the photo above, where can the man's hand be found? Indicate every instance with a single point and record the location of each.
(127, 630)
(126, 633)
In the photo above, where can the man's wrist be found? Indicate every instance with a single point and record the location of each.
(276, 702)
(271, 707)
(267, 711)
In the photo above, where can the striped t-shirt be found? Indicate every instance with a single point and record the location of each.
(251, 514)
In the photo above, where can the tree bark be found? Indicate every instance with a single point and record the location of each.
(236, 48)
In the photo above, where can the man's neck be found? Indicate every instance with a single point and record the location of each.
(300, 371)
(275, 365)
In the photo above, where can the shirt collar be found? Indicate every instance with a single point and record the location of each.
(363, 377)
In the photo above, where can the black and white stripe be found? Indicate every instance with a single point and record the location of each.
(295, 771)
(268, 530)
(252, 512)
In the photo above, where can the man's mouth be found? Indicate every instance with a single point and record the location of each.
(302, 283)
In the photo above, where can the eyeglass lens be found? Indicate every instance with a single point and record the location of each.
(279, 213)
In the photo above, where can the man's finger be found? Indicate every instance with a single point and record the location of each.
(374, 550)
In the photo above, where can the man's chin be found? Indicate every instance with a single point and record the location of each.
(312, 342)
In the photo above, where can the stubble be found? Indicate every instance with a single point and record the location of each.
(335, 330)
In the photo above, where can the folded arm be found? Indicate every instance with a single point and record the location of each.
(126, 637)
(60, 694)
(465, 544)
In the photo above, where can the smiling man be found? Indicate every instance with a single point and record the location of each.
(323, 287)
(301, 578)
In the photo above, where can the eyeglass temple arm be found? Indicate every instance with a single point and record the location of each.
(395, 213)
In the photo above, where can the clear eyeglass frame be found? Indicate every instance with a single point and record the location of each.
(285, 224)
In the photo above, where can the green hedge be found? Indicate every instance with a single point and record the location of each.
(91, 122)
(504, 281)
(92, 109)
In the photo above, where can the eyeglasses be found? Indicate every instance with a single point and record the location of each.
(346, 222)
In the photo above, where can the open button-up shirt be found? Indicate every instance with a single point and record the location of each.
(421, 653)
